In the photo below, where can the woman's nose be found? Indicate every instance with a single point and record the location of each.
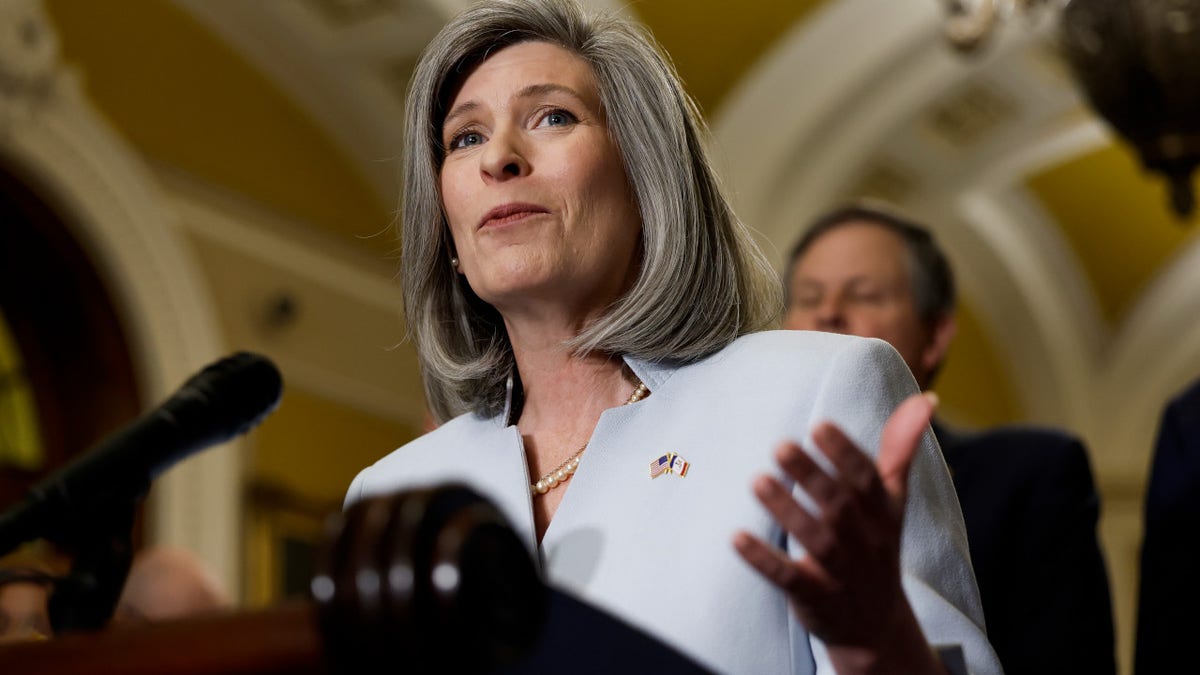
(504, 157)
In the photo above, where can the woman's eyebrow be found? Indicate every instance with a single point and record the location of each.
(531, 91)
(534, 90)
(459, 110)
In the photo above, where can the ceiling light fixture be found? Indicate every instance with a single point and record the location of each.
(1138, 62)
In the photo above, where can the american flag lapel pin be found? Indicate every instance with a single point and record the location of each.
(658, 466)
(669, 463)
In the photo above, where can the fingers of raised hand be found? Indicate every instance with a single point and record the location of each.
(853, 491)
(855, 469)
(901, 437)
(802, 468)
(776, 566)
(815, 535)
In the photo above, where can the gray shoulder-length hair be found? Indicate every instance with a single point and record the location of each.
(702, 281)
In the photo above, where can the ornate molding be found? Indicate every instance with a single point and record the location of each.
(29, 60)
(52, 135)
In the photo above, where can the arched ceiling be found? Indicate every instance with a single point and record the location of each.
(1114, 216)
(714, 43)
(189, 100)
(297, 104)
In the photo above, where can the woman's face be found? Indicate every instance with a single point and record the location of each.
(534, 189)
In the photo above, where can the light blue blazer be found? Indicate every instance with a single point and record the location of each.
(657, 551)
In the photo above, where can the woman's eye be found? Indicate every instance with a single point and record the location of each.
(557, 118)
(466, 140)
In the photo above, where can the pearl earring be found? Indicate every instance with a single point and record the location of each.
(454, 262)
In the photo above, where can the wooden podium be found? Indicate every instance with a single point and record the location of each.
(282, 640)
(422, 581)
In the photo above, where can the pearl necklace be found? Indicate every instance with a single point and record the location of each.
(564, 471)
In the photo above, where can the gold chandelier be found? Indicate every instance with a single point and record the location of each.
(1138, 62)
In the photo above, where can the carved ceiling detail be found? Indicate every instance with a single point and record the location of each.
(29, 59)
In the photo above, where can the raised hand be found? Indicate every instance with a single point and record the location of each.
(847, 590)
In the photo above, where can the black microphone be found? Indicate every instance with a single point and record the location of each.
(224, 400)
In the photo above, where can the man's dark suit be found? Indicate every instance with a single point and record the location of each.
(1169, 601)
(1030, 508)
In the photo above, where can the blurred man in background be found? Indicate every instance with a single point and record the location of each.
(1027, 495)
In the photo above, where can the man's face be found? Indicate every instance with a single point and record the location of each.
(855, 279)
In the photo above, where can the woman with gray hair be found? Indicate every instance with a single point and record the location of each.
(582, 300)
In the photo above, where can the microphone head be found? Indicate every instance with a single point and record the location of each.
(230, 396)
(224, 400)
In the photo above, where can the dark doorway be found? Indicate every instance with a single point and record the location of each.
(73, 351)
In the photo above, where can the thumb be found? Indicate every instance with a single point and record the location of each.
(901, 437)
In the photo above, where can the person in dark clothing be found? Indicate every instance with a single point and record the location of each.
(1028, 498)
(1170, 587)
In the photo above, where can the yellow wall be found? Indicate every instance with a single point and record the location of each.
(974, 384)
(714, 42)
(20, 441)
(1115, 216)
(315, 446)
(185, 99)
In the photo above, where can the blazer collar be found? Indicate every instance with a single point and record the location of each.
(652, 373)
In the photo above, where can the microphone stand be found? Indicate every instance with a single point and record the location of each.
(85, 599)
(89, 505)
